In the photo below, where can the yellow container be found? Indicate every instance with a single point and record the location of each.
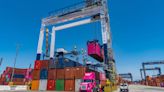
(35, 85)
(107, 89)
(11, 83)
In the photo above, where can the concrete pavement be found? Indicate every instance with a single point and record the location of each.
(141, 88)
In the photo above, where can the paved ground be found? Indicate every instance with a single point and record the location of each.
(132, 88)
(140, 88)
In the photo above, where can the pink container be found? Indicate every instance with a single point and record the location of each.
(102, 76)
(94, 50)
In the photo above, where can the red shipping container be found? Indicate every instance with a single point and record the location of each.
(69, 73)
(52, 74)
(60, 74)
(37, 65)
(45, 64)
(36, 74)
(40, 64)
(51, 85)
(94, 50)
(69, 85)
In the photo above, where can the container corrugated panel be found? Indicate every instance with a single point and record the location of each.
(56, 64)
(36, 74)
(77, 84)
(51, 85)
(60, 74)
(44, 74)
(69, 85)
(45, 64)
(35, 85)
(19, 76)
(52, 74)
(18, 83)
(20, 71)
(80, 72)
(94, 50)
(43, 85)
(59, 85)
(69, 73)
(18, 80)
(37, 65)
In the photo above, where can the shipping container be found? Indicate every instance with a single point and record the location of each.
(60, 74)
(52, 74)
(43, 85)
(69, 85)
(35, 85)
(56, 64)
(37, 65)
(80, 72)
(19, 83)
(18, 79)
(69, 73)
(44, 74)
(77, 84)
(36, 74)
(69, 63)
(59, 85)
(19, 76)
(51, 85)
(94, 50)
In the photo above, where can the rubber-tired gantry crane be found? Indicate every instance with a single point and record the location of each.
(150, 63)
(156, 68)
(85, 12)
(127, 76)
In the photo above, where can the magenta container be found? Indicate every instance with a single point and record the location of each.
(94, 50)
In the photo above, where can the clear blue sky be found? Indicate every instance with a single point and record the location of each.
(136, 25)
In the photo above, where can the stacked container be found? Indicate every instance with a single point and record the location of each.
(19, 77)
(40, 75)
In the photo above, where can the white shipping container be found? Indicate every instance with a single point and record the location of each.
(77, 84)
(43, 85)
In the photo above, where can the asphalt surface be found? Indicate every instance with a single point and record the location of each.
(141, 88)
(132, 88)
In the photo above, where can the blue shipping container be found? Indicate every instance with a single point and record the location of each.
(44, 74)
(18, 76)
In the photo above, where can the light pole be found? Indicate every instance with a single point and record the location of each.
(13, 70)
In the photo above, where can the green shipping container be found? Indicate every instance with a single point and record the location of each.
(59, 85)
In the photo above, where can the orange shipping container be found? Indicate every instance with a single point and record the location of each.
(52, 74)
(79, 72)
(69, 73)
(69, 85)
(60, 74)
(35, 85)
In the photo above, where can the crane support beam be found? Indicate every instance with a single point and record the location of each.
(87, 12)
(82, 22)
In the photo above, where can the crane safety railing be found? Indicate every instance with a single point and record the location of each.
(74, 8)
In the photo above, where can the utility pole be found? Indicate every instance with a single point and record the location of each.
(17, 50)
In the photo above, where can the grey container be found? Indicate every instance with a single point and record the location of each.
(77, 84)
(43, 85)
